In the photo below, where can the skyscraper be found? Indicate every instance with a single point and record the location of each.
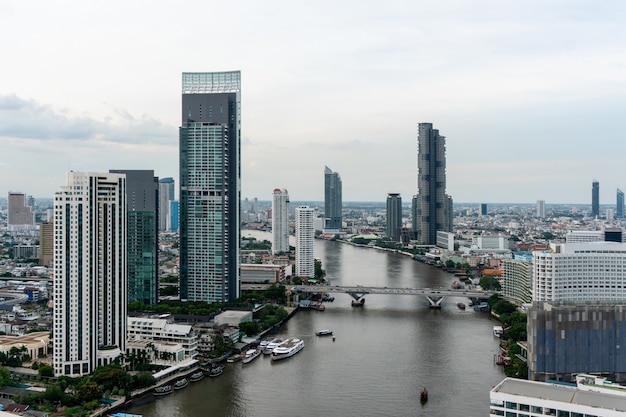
(619, 210)
(541, 209)
(280, 221)
(46, 243)
(333, 204)
(210, 186)
(89, 272)
(432, 206)
(19, 214)
(595, 198)
(142, 203)
(166, 194)
(483, 209)
(394, 216)
(305, 235)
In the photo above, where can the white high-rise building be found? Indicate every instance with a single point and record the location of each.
(280, 221)
(580, 272)
(541, 209)
(305, 235)
(90, 272)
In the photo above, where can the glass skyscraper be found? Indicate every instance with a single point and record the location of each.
(210, 186)
(619, 210)
(333, 204)
(595, 198)
(394, 216)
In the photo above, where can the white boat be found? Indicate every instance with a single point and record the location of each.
(324, 332)
(273, 344)
(250, 355)
(287, 349)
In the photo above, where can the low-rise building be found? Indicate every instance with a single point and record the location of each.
(163, 340)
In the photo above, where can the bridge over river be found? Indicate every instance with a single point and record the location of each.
(433, 295)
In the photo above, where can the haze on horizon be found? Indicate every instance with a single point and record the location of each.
(529, 95)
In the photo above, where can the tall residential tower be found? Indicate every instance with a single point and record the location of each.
(280, 221)
(210, 186)
(305, 234)
(394, 216)
(89, 272)
(432, 208)
(333, 204)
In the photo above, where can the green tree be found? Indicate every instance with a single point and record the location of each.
(143, 379)
(89, 391)
(489, 283)
(319, 273)
(249, 328)
(5, 376)
(46, 370)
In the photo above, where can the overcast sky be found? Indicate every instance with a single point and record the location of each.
(531, 95)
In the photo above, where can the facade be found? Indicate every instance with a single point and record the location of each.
(90, 266)
(541, 209)
(589, 397)
(262, 273)
(517, 280)
(581, 236)
(210, 178)
(280, 221)
(490, 242)
(20, 215)
(174, 216)
(580, 272)
(333, 203)
(433, 207)
(483, 209)
(142, 203)
(595, 198)
(304, 242)
(166, 194)
(565, 339)
(394, 216)
(619, 209)
(46, 244)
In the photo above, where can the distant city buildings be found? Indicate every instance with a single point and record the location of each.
(541, 209)
(280, 221)
(166, 195)
(394, 216)
(90, 284)
(432, 207)
(305, 235)
(595, 198)
(20, 215)
(142, 202)
(619, 209)
(210, 180)
(333, 203)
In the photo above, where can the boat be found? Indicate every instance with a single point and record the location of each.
(196, 376)
(273, 344)
(461, 306)
(234, 358)
(424, 395)
(250, 355)
(181, 383)
(215, 371)
(287, 349)
(324, 332)
(162, 390)
(315, 305)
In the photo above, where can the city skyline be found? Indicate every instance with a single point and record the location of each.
(493, 77)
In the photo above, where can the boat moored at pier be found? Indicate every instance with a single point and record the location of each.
(250, 355)
(162, 390)
(287, 349)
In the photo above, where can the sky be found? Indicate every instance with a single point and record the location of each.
(530, 95)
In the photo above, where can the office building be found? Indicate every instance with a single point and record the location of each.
(610, 215)
(333, 203)
(580, 272)
(541, 209)
(483, 209)
(517, 280)
(90, 284)
(46, 244)
(210, 186)
(394, 216)
(174, 215)
(304, 242)
(595, 198)
(166, 194)
(591, 396)
(20, 216)
(142, 203)
(619, 209)
(433, 207)
(280, 221)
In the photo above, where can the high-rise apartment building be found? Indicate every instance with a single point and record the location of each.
(595, 198)
(432, 206)
(19, 214)
(305, 234)
(541, 209)
(619, 209)
(166, 194)
(333, 203)
(89, 272)
(46, 244)
(517, 280)
(280, 221)
(394, 216)
(210, 186)
(142, 203)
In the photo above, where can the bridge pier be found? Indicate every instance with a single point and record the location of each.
(435, 302)
(358, 298)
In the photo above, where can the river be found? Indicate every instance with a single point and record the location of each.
(382, 356)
